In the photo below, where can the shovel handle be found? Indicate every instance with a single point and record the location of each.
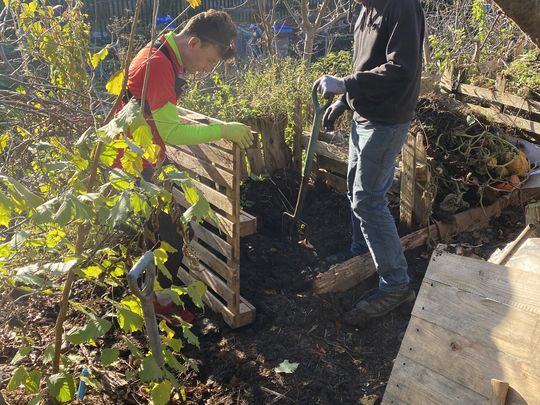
(318, 109)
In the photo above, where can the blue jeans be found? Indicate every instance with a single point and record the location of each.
(373, 149)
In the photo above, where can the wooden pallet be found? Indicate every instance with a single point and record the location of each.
(473, 321)
(504, 108)
(216, 171)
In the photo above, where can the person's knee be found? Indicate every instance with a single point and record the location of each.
(367, 205)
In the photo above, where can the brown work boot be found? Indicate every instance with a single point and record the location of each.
(377, 304)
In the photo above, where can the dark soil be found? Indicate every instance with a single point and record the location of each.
(338, 364)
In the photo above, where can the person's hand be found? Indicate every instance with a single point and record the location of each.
(328, 85)
(332, 113)
(237, 133)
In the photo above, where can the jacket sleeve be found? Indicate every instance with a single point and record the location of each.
(173, 132)
(404, 25)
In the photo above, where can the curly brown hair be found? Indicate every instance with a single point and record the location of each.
(216, 28)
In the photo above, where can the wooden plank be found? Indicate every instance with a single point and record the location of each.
(248, 224)
(469, 360)
(332, 165)
(196, 166)
(416, 384)
(245, 316)
(424, 194)
(234, 240)
(204, 274)
(331, 180)
(506, 119)
(215, 241)
(329, 150)
(507, 99)
(223, 224)
(514, 288)
(512, 331)
(213, 262)
(408, 182)
(219, 200)
(209, 154)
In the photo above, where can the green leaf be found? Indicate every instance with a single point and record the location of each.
(108, 155)
(120, 211)
(64, 213)
(91, 272)
(161, 393)
(4, 138)
(109, 356)
(189, 335)
(32, 382)
(27, 275)
(92, 382)
(196, 291)
(31, 200)
(48, 354)
(173, 362)
(94, 329)
(150, 370)
(62, 386)
(286, 367)
(81, 210)
(44, 212)
(139, 205)
(130, 315)
(5, 210)
(36, 400)
(132, 348)
(18, 377)
(98, 57)
(114, 85)
(59, 268)
(21, 354)
(160, 258)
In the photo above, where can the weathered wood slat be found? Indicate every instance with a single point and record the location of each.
(506, 119)
(216, 198)
(245, 316)
(512, 331)
(331, 180)
(415, 384)
(215, 241)
(196, 118)
(209, 154)
(513, 288)
(211, 280)
(408, 182)
(248, 224)
(332, 165)
(214, 262)
(507, 99)
(223, 223)
(198, 167)
(327, 149)
(465, 358)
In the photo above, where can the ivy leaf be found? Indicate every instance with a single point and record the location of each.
(286, 367)
(98, 57)
(120, 211)
(62, 386)
(109, 356)
(150, 370)
(21, 354)
(161, 393)
(130, 315)
(114, 85)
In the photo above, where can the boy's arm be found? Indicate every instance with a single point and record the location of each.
(173, 132)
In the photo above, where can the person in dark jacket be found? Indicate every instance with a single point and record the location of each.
(382, 91)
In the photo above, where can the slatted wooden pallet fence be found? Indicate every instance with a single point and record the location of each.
(498, 105)
(216, 171)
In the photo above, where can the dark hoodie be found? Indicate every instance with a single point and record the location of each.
(387, 61)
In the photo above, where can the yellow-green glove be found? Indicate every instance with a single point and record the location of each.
(237, 133)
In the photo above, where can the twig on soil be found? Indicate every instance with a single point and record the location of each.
(277, 395)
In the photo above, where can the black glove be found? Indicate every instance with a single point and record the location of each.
(332, 113)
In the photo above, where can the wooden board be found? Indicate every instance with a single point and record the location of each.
(501, 118)
(408, 182)
(472, 321)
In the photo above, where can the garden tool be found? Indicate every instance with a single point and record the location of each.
(146, 270)
(291, 222)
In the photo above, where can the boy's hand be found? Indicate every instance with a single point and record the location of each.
(237, 133)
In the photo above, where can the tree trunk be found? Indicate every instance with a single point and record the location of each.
(309, 38)
(526, 14)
